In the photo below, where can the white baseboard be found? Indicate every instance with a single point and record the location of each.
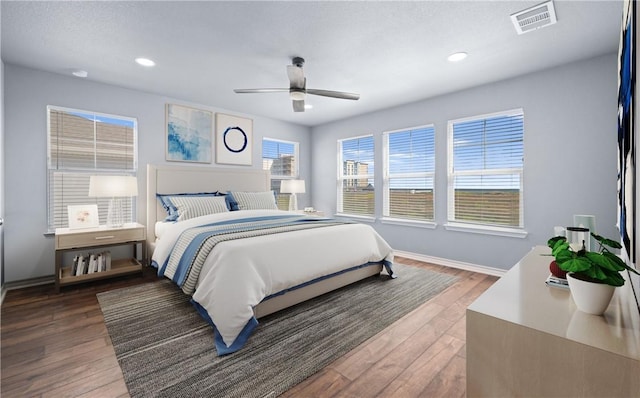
(43, 280)
(414, 256)
(452, 263)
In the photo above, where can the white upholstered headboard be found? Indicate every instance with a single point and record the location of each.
(166, 179)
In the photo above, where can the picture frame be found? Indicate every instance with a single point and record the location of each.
(83, 216)
(626, 133)
(189, 133)
(234, 140)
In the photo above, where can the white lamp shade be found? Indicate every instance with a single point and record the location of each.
(113, 186)
(292, 186)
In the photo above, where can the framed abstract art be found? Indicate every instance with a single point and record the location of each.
(189, 134)
(234, 140)
(627, 138)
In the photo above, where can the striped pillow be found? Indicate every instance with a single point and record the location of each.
(255, 200)
(196, 206)
(172, 211)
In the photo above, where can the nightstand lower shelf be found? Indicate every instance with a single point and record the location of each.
(118, 267)
(92, 241)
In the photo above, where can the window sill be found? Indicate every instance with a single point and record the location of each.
(486, 230)
(409, 223)
(356, 217)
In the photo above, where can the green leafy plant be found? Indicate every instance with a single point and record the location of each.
(602, 266)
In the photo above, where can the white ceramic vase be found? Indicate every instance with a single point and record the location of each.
(592, 298)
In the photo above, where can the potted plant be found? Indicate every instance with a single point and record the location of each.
(592, 275)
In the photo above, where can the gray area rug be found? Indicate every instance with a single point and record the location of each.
(165, 349)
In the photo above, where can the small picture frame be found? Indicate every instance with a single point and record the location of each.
(83, 216)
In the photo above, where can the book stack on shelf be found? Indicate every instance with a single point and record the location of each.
(557, 282)
(84, 264)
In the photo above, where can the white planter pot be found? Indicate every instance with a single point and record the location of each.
(592, 298)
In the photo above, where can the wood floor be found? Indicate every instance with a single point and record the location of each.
(57, 345)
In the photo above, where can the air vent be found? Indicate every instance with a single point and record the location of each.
(534, 18)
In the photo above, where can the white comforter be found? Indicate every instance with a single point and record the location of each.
(239, 274)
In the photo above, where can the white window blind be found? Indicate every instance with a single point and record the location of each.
(485, 169)
(81, 144)
(281, 159)
(356, 176)
(409, 173)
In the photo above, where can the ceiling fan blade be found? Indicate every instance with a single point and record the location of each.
(260, 90)
(296, 76)
(298, 106)
(334, 94)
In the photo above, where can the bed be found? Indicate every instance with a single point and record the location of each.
(241, 265)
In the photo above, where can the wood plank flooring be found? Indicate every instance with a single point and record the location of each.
(57, 345)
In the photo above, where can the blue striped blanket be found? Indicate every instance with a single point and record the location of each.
(193, 246)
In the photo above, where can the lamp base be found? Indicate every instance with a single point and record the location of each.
(293, 202)
(115, 216)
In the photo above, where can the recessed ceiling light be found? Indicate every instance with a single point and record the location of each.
(455, 57)
(80, 73)
(308, 106)
(145, 62)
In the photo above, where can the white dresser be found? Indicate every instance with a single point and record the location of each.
(525, 338)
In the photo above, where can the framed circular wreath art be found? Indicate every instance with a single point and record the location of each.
(234, 138)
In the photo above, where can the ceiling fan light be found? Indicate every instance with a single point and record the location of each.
(297, 95)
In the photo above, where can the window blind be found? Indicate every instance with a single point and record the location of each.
(281, 159)
(409, 173)
(82, 144)
(485, 169)
(356, 191)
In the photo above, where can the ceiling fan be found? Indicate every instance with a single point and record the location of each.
(298, 87)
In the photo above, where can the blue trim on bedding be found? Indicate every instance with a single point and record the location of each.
(252, 324)
(280, 293)
(221, 347)
(186, 260)
(388, 265)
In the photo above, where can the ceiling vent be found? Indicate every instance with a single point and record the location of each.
(534, 18)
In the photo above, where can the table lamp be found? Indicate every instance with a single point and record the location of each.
(293, 187)
(114, 187)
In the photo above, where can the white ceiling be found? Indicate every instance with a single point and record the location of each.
(390, 53)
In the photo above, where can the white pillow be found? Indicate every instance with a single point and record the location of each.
(255, 200)
(196, 206)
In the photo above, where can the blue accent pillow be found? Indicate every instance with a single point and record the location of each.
(172, 210)
(232, 203)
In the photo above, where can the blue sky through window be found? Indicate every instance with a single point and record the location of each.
(360, 150)
(411, 151)
(104, 119)
(273, 149)
(490, 144)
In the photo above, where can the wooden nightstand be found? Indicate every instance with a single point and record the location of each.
(96, 239)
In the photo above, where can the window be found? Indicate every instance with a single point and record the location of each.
(486, 168)
(408, 176)
(81, 144)
(355, 176)
(281, 159)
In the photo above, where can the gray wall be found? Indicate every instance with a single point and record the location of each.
(570, 158)
(28, 252)
(2, 186)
